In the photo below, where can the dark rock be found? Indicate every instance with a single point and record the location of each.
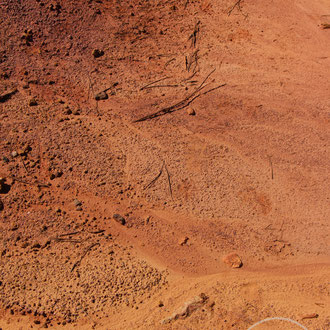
(7, 95)
(119, 219)
(33, 102)
(36, 245)
(97, 53)
(101, 96)
(77, 202)
(1, 205)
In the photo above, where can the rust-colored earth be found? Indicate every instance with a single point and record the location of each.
(164, 164)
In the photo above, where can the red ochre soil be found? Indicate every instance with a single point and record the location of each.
(247, 174)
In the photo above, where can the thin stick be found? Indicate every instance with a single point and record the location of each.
(194, 35)
(169, 181)
(159, 86)
(91, 88)
(144, 87)
(69, 234)
(271, 167)
(77, 263)
(156, 178)
(97, 232)
(25, 166)
(67, 240)
(40, 185)
(237, 4)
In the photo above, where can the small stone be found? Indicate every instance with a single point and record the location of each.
(233, 260)
(101, 96)
(5, 159)
(97, 53)
(14, 227)
(184, 241)
(25, 245)
(119, 219)
(24, 150)
(160, 304)
(36, 245)
(33, 102)
(58, 174)
(77, 202)
(14, 154)
(191, 112)
(79, 208)
(52, 176)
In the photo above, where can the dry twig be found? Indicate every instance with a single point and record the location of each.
(77, 263)
(169, 181)
(148, 85)
(38, 184)
(194, 35)
(156, 178)
(238, 5)
(182, 104)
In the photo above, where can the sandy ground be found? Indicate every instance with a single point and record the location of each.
(142, 142)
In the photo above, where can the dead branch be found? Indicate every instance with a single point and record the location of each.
(156, 178)
(182, 104)
(77, 263)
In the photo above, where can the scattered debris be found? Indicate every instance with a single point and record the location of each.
(233, 260)
(119, 219)
(101, 96)
(183, 103)
(187, 309)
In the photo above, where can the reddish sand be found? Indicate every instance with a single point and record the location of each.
(236, 160)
